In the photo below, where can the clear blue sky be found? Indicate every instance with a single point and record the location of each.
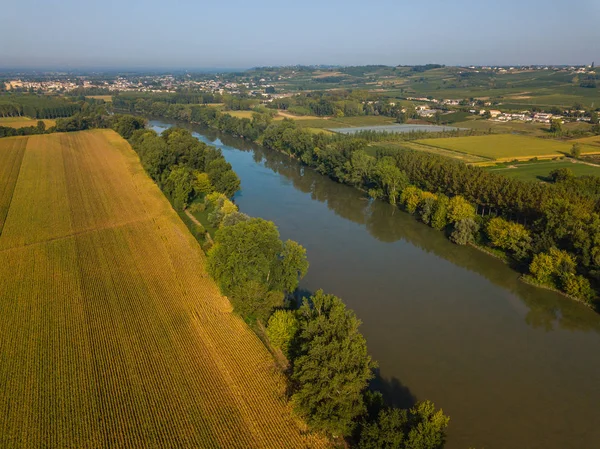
(237, 34)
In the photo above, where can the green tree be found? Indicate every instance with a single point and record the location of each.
(219, 207)
(282, 329)
(556, 126)
(202, 185)
(243, 252)
(294, 265)
(125, 125)
(561, 174)
(222, 177)
(464, 231)
(410, 198)
(564, 262)
(179, 186)
(234, 218)
(253, 266)
(421, 427)
(426, 208)
(392, 179)
(361, 167)
(254, 301)
(332, 367)
(542, 268)
(553, 267)
(439, 216)
(459, 209)
(577, 286)
(509, 236)
(387, 432)
(428, 427)
(576, 150)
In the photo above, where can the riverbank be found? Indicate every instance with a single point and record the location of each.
(531, 281)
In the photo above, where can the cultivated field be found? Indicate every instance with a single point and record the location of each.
(539, 171)
(283, 114)
(396, 128)
(528, 128)
(400, 146)
(240, 114)
(280, 115)
(107, 98)
(22, 122)
(594, 140)
(341, 122)
(11, 155)
(505, 146)
(111, 332)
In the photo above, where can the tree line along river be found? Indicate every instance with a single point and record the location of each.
(514, 366)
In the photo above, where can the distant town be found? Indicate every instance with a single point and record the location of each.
(268, 84)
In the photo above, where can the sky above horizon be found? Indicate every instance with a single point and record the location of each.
(243, 34)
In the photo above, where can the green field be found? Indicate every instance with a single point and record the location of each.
(538, 171)
(506, 147)
(106, 98)
(363, 120)
(533, 129)
(594, 140)
(240, 114)
(112, 333)
(344, 122)
(318, 130)
(399, 146)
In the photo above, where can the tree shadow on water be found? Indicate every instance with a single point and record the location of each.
(296, 299)
(394, 393)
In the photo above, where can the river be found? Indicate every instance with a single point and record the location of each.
(514, 366)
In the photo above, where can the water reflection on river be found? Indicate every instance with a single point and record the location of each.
(513, 365)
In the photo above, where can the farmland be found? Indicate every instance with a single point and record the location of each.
(538, 171)
(11, 155)
(240, 114)
(396, 128)
(527, 128)
(399, 146)
(22, 122)
(107, 98)
(112, 334)
(342, 122)
(505, 146)
(593, 140)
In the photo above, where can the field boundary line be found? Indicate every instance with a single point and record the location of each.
(12, 194)
(82, 232)
(455, 151)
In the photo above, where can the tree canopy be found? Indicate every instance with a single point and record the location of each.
(332, 367)
(254, 267)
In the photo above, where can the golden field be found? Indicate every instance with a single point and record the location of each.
(22, 122)
(112, 334)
